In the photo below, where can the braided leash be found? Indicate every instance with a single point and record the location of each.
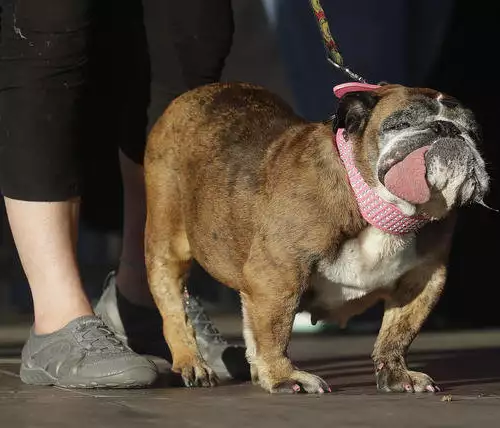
(332, 51)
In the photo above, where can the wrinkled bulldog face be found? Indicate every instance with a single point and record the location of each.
(416, 147)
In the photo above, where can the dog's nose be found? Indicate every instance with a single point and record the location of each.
(445, 128)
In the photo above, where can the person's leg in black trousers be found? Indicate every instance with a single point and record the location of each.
(43, 57)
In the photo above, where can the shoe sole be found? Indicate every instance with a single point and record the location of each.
(126, 379)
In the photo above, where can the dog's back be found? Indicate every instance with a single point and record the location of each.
(230, 123)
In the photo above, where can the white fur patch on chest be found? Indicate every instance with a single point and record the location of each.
(371, 261)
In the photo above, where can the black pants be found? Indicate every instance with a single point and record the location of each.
(70, 68)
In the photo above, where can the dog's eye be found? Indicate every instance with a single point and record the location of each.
(399, 126)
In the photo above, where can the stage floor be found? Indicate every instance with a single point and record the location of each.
(464, 364)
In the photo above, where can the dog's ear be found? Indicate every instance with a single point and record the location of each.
(354, 110)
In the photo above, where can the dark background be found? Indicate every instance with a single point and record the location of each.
(448, 45)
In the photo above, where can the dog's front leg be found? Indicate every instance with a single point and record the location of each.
(270, 299)
(405, 312)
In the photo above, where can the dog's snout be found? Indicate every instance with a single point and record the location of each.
(445, 128)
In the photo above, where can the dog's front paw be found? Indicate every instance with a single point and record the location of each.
(399, 379)
(301, 382)
(195, 372)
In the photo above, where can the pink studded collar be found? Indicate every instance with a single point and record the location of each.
(375, 210)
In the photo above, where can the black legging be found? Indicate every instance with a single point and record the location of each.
(144, 53)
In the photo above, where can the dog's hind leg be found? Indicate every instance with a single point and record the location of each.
(168, 259)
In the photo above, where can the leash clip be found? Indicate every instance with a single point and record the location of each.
(346, 71)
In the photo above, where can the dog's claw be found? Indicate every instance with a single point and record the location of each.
(288, 386)
(302, 382)
(422, 382)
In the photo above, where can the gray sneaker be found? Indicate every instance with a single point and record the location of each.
(84, 354)
(141, 328)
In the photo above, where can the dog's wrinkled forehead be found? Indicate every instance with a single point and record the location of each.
(416, 108)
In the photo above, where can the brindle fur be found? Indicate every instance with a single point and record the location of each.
(257, 195)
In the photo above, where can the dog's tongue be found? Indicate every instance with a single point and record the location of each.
(407, 180)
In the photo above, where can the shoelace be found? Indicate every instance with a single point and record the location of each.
(200, 320)
(98, 338)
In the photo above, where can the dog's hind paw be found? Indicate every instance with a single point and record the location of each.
(196, 374)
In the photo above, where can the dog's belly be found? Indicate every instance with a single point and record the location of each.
(364, 270)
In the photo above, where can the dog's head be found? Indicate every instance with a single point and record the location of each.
(417, 148)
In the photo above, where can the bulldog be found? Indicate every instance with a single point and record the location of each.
(330, 217)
